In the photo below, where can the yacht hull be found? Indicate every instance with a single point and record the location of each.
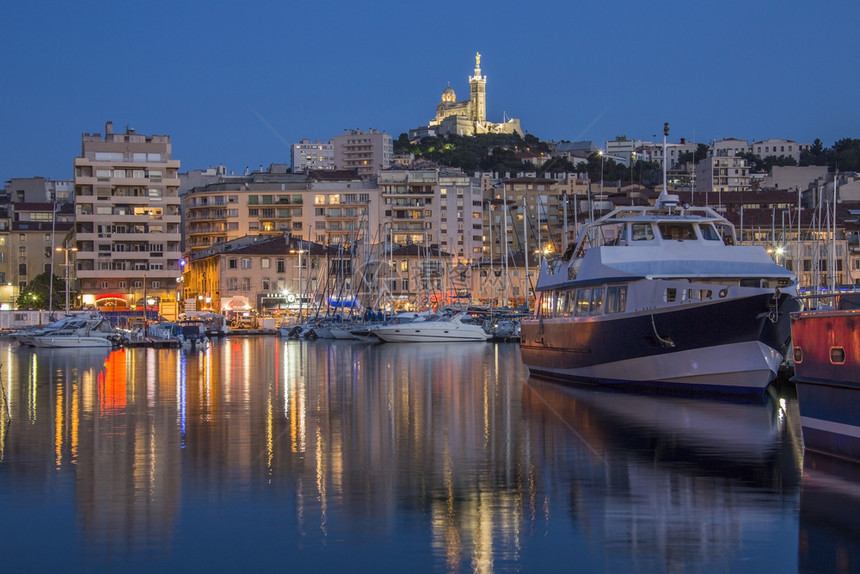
(724, 347)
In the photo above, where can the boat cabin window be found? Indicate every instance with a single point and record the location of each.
(569, 303)
(727, 233)
(616, 298)
(670, 295)
(596, 307)
(583, 298)
(709, 232)
(676, 231)
(837, 355)
(642, 232)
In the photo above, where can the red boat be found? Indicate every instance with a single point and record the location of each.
(827, 375)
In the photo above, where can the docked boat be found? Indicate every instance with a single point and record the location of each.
(827, 375)
(661, 297)
(431, 329)
(71, 331)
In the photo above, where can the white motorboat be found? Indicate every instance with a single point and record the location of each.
(661, 296)
(434, 328)
(72, 332)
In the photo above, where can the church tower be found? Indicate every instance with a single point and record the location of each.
(478, 97)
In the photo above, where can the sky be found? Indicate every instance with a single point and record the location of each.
(236, 83)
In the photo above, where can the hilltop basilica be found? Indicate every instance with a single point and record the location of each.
(467, 117)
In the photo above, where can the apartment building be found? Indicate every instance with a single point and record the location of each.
(775, 147)
(366, 152)
(723, 172)
(127, 218)
(731, 146)
(38, 190)
(35, 220)
(327, 206)
(33, 240)
(535, 214)
(653, 151)
(307, 155)
(345, 208)
(461, 212)
(267, 202)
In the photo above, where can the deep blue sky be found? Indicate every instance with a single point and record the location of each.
(236, 83)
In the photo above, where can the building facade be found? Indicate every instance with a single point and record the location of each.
(775, 147)
(262, 203)
(366, 152)
(274, 275)
(127, 218)
(307, 155)
(723, 172)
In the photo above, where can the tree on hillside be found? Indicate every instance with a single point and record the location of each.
(846, 155)
(696, 156)
(815, 155)
(557, 165)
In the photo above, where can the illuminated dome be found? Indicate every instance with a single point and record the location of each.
(448, 95)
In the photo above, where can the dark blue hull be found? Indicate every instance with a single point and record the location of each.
(723, 347)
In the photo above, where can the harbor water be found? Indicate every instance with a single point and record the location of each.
(261, 453)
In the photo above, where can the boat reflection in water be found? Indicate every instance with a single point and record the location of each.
(681, 477)
(829, 539)
(254, 453)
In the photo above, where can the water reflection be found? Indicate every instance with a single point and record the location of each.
(829, 515)
(438, 457)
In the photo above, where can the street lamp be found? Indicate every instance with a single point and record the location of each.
(66, 250)
(602, 155)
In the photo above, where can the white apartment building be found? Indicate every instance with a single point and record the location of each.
(367, 152)
(622, 149)
(731, 146)
(653, 151)
(127, 220)
(778, 148)
(307, 155)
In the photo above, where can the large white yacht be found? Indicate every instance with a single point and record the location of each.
(661, 296)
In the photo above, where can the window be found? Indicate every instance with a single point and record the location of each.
(265, 263)
(156, 284)
(837, 355)
(596, 306)
(642, 232)
(246, 263)
(281, 266)
(583, 296)
(709, 232)
(231, 263)
(616, 298)
(678, 232)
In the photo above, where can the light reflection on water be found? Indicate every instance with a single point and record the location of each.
(261, 452)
